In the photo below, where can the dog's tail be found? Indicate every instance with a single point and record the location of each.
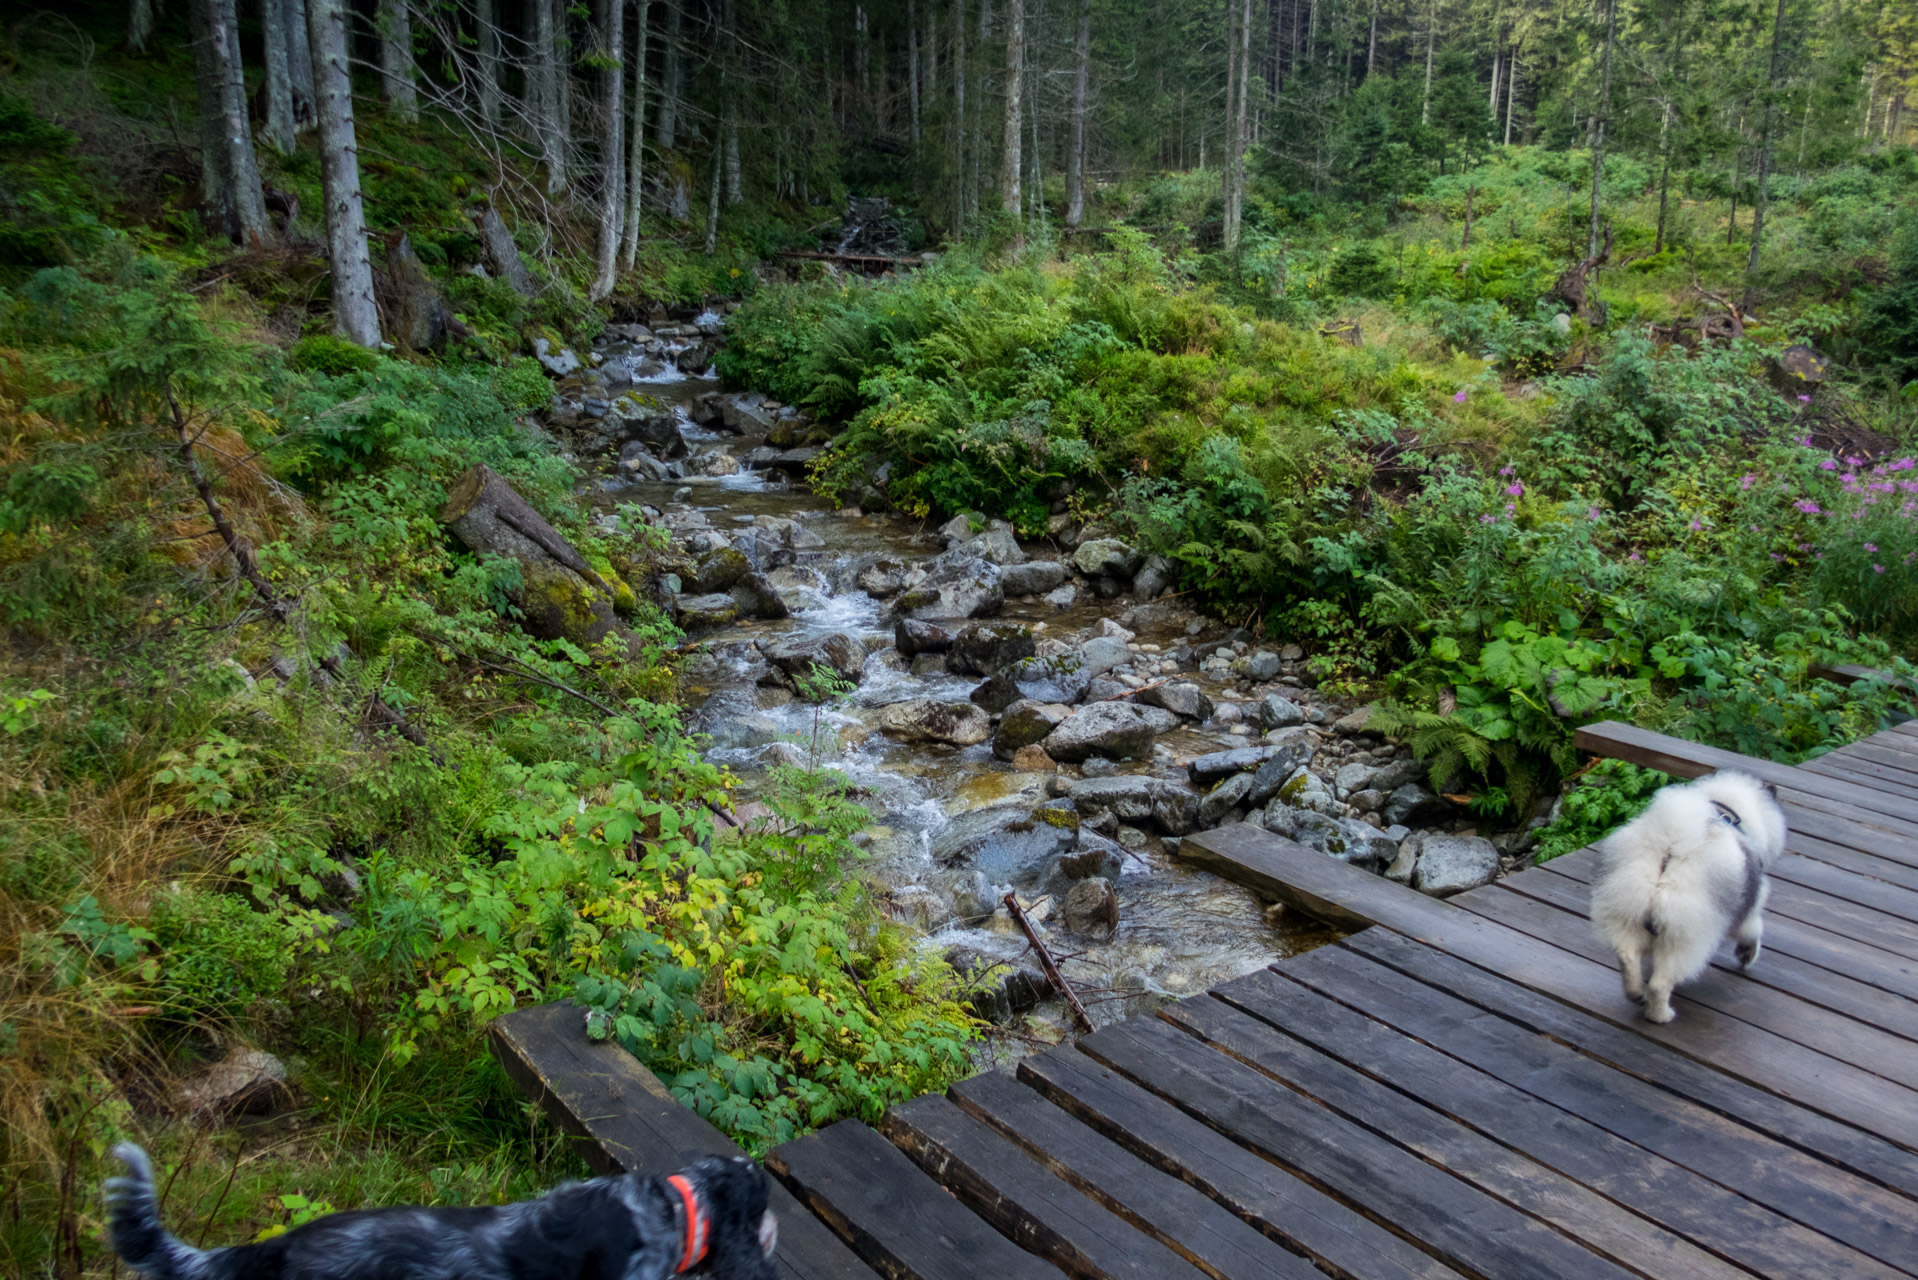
(133, 1215)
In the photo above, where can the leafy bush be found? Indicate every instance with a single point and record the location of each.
(1610, 794)
(330, 355)
(1361, 271)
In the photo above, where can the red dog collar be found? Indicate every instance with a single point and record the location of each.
(696, 1226)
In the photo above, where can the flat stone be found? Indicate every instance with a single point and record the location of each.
(1128, 796)
(796, 656)
(958, 724)
(1102, 653)
(1062, 597)
(997, 546)
(1353, 724)
(1176, 810)
(986, 647)
(1106, 557)
(1407, 801)
(1033, 578)
(1452, 864)
(1033, 759)
(1009, 844)
(714, 610)
(1354, 777)
(1224, 798)
(882, 579)
(1026, 723)
(1278, 712)
(1112, 729)
(1062, 678)
(1209, 768)
(1181, 697)
(912, 636)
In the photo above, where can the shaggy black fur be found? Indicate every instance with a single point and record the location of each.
(621, 1228)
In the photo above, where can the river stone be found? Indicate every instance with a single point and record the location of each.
(1352, 725)
(1181, 697)
(1008, 843)
(1452, 864)
(640, 420)
(958, 724)
(1392, 776)
(996, 693)
(1175, 811)
(1113, 729)
(1354, 777)
(245, 1082)
(995, 545)
(1152, 579)
(1405, 802)
(789, 533)
(1033, 759)
(1127, 796)
(1057, 679)
(1025, 723)
(1034, 578)
(556, 360)
(1091, 908)
(798, 655)
(1224, 798)
(718, 570)
(986, 647)
(714, 610)
(636, 460)
(1062, 597)
(1105, 689)
(757, 598)
(1102, 653)
(1306, 790)
(913, 636)
(1209, 768)
(958, 529)
(1256, 667)
(1002, 992)
(1402, 865)
(967, 589)
(1105, 558)
(881, 579)
(1280, 764)
(1277, 712)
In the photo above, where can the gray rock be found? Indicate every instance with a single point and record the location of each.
(1035, 577)
(882, 579)
(1352, 725)
(1152, 579)
(1395, 774)
(714, 610)
(1224, 798)
(1105, 689)
(1106, 558)
(1370, 800)
(1129, 796)
(913, 636)
(1002, 992)
(1291, 653)
(1091, 908)
(958, 724)
(798, 655)
(1181, 697)
(718, 570)
(1102, 653)
(1280, 764)
(1176, 810)
(1354, 777)
(1277, 712)
(957, 530)
(1112, 729)
(556, 360)
(1366, 845)
(970, 893)
(1407, 802)
(1057, 679)
(1209, 768)
(1096, 856)
(1258, 667)
(1010, 844)
(963, 589)
(1306, 790)
(997, 546)
(757, 598)
(1107, 627)
(245, 1082)
(1452, 864)
(1062, 598)
(987, 647)
(1401, 867)
(1024, 723)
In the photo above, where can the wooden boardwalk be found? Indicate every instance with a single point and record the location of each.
(1457, 1089)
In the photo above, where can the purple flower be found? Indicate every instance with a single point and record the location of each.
(1878, 568)
(1635, 558)
(1516, 489)
(1695, 527)
(1746, 482)
(1829, 464)
(1511, 508)
(1459, 398)
(1807, 506)
(1505, 471)
(1872, 547)
(1592, 513)
(1804, 399)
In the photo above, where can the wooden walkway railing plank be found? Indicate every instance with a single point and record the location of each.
(1711, 1216)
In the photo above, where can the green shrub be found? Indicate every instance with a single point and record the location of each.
(1361, 271)
(219, 954)
(333, 356)
(1609, 794)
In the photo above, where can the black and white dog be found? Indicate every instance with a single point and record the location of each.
(710, 1218)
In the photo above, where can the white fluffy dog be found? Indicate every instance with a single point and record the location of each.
(1676, 880)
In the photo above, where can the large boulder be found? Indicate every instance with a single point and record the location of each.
(1276, 769)
(245, 1082)
(1106, 558)
(796, 656)
(1010, 844)
(958, 724)
(986, 647)
(715, 610)
(1452, 864)
(1025, 723)
(1033, 578)
(756, 597)
(1152, 579)
(1118, 730)
(644, 420)
(1091, 908)
(1181, 697)
(1057, 679)
(995, 545)
(882, 579)
(1175, 810)
(1224, 798)
(1406, 802)
(967, 588)
(1277, 712)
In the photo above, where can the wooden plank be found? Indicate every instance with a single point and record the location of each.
(1865, 773)
(1880, 896)
(1687, 1203)
(1280, 869)
(1172, 1212)
(623, 1118)
(897, 1219)
(1899, 756)
(1690, 760)
(1852, 835)
(1510, 1176)
(1736, 1048)
(1864, 864)
(1723, 990)
(1861, 1150)
(1035, 1210)
(1847, 919)
(1832, 953)
(1274, 1201)
(1461, 1224)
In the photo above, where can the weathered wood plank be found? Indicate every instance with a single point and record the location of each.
(1585, 1037)
(1462, 1225)
(1280, 1205)
(1176, 1214)
(1035, 1210)
(1498, 1170)
(1687, 1203)
(902, 1223)
(1870, 865)
(1865, 773)
(623, 1118)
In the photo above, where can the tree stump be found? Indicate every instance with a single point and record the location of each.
(505, 254)
(560, 594)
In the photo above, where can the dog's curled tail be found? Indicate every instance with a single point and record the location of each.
(133, 1215)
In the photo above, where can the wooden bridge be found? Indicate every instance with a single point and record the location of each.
(1457, 1089)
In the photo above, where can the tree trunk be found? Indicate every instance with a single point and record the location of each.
(505, 254)
(299, 57)
(550, 69)
(712, 204)
(1664, 173)
(861, 69)
(612, 92)
(1372, 41)
(735, 187)
(1761, 197)
(669, 78)
(486, 20)
(1010, 172)
(140, 25)
(563, 85)
(912, 67)
(1227, 171)
(1511, 92)
(982, 86)
(230, 173)
(1076, 146)
(1497, 63)
(636, 145)
(959, 116)
(355, 316)
(279, 81)
(1599, 122)
(396, 60)
(1431, 38)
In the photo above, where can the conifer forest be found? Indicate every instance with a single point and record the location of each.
(654, 502)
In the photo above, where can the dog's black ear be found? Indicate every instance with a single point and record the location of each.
(1771, 790)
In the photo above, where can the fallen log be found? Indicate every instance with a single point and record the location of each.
(560, 595)
(858, 259)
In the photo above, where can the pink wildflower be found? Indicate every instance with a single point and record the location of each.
(1459, 398)
(1807, 506)
(1804, 399)
(1829, 464)
(1516, 489)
